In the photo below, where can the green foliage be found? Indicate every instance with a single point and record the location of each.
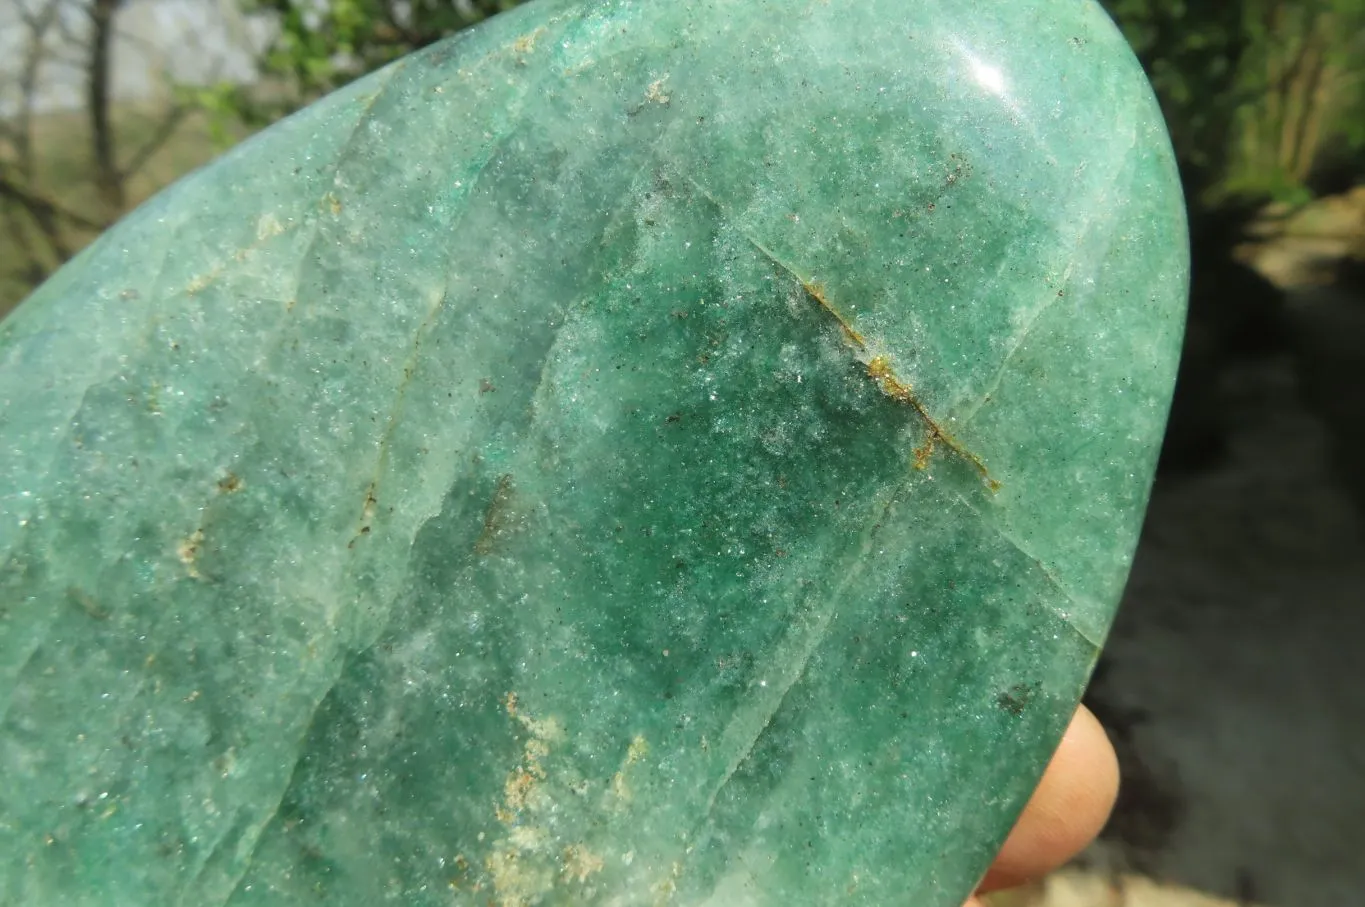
(1252, 89)
(224, 106)
(323, 45)
(1192, 55)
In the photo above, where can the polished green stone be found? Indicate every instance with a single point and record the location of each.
(632, 453)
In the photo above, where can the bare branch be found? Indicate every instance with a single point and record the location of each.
(164, 130)
(21, 131)
(64, 24)
(98, 100)
(44, 208)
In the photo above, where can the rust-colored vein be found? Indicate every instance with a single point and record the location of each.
(495, 517)
(816, 291)
(879, 370)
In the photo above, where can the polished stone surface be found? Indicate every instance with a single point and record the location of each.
(680, 453)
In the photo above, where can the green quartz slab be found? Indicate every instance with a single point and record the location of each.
(631, 453)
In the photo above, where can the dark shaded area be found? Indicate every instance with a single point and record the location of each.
(1149, 804)
(1236, 315)
(1246, 582)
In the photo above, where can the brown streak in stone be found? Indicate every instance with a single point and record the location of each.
(494, 517)
(188, 552)
(203, 281)
(366, 512)
(879, 370)
(816, 291)
(87, 603)
(395, 415)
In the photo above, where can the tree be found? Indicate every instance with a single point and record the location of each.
(35, 222)
(56, 194)
(1307, 58)
(1252, 89)
(58, 191)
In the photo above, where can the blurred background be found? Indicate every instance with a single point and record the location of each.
(1230, 685)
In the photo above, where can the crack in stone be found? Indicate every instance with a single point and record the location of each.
(471, 180)
(882, 373)
(1053, 580)
(105, 376)
(343, 154)
(768, 706)
(495, 516)
(566, 312)
(811, 637)
(878, 366)
(264, 824)
(23, 666)
(203, 281)
(396, 415)
(508, 130)
(1050, 301)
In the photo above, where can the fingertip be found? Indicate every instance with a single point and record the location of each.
(1066, 812)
